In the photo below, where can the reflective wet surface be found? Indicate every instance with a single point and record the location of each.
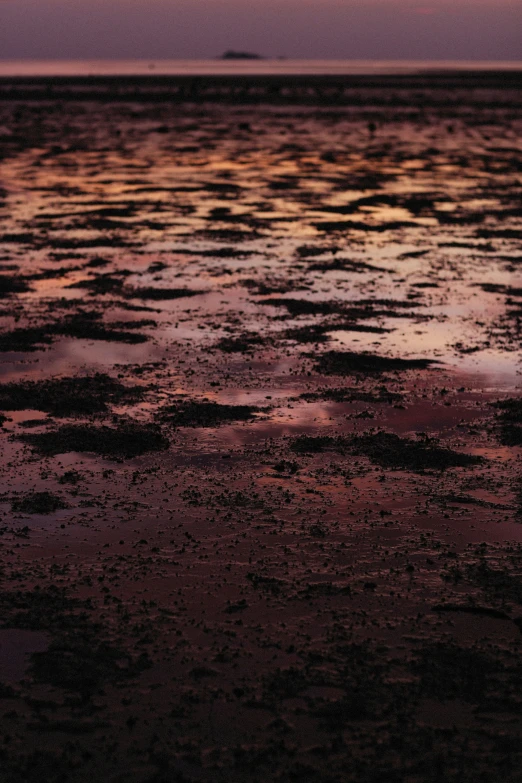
(261, 428)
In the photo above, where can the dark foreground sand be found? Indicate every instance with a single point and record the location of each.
(261, 429)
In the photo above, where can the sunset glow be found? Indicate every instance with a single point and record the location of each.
(349, 29)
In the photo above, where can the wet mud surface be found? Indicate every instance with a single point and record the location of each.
(261, 423)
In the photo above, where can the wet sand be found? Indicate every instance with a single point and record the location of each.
(261, 425)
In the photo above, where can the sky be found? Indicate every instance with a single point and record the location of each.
(329, 29)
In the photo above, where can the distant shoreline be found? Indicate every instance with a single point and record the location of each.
(238, 66)
(413, 91)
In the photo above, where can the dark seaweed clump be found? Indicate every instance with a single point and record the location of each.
(382, 394)
(161, 294)
(310, 444)
(348, 362)
(67, 396)
(88, 326)
(361, 309)
(387, 450)
(309, 334)
(12, 284)
(510, 419)
(286, 466)
(195, 413)
(245, 343)
(24, 340)
(82, 326)
(318, 333)
(305, 306)
(312, 251)
(343, 265)
(38, 503)
(124, 441)
(102, 284)
(390, 451)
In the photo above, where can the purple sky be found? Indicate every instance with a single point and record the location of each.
(154, 29)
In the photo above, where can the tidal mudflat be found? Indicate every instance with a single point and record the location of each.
(261, 421)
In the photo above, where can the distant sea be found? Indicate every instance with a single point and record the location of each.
(262, 67)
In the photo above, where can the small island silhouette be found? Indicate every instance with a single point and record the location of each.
(231, 54)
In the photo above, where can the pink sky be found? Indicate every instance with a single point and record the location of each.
(373, 29)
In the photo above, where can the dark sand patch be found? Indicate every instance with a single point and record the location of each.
(450, 671)
(80, 658)
(81, 663)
